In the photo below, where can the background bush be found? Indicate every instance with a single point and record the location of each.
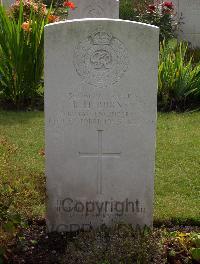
(38, 8)
(22, 53)
(161, 15)
(179, 83)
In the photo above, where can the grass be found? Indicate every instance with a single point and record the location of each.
(177, 181)
(21, 165)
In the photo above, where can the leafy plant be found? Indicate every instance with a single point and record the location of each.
(178, 77)
(131, 9)
(182, 247)
(195, 250)
(127, 10)
(21, 55)
(22, 50)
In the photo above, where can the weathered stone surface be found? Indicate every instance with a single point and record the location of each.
(189, 12)
(7, 3)
(189, 30)
(100, 111)
(95, 9)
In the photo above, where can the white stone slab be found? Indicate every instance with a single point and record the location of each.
(190, 29)
(100, 108)
(95, 9)
(7, 3)
(189, 12)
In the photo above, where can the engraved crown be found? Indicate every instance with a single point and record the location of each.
(101, 38)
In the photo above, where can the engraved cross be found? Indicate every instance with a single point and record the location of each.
(99, 155)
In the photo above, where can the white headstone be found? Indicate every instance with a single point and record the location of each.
(7, 3)
(189, 30)
(100, 109)
(95, 9)
(188, 14)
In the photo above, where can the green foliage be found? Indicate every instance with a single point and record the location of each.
(182, 247)
(195, 253)
(127, 10)
(178, 77)
(195, 238)
(194, 53)
(21, 54)
(179, 70)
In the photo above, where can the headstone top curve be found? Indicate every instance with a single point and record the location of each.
(101, 20)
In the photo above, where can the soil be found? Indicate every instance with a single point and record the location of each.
(34, 245)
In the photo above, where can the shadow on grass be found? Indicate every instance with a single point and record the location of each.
(175, 221)
(12, 117)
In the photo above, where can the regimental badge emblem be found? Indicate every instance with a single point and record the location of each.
(101, 59)
(94, 11)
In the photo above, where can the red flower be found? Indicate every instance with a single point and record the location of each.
(69, 4)
(168, 5)
(167, 11)
(151, 8)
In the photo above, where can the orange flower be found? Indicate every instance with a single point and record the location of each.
(26, 26)
(53, 18)
(69, 4)
(43, 7)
